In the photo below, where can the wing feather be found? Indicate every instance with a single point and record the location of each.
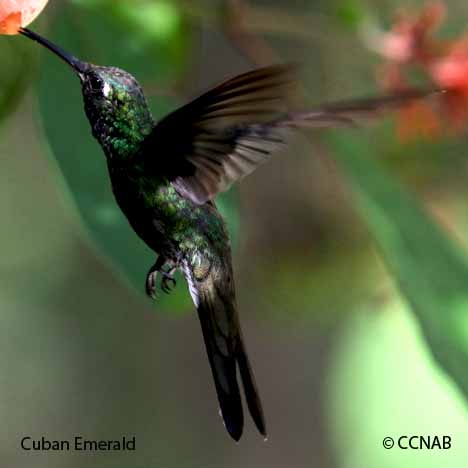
(226, 133)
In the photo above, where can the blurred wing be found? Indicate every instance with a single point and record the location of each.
(226, 133)
(359, 110)
(222, 135)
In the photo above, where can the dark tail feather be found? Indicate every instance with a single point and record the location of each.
(223, 367)
(214, 297)
(250, 388)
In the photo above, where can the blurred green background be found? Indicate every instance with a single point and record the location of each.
(350, 255)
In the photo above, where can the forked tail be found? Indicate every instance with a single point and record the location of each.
(212, 288)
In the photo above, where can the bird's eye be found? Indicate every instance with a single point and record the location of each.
(96, 83)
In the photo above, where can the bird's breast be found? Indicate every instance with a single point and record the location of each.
(166, 221)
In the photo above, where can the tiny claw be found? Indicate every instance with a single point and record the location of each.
(151, 285)
(166, 281)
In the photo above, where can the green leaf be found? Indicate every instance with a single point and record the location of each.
(144, 22)
(429, 268)
(17, 69)
(350, 13)
(392, 388)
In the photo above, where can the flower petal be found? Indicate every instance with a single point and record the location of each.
(18, 13)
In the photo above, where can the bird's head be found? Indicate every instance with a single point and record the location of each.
(114, 101)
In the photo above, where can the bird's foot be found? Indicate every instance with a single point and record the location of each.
(151, 284)
(168, 281)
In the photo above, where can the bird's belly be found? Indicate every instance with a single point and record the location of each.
(132, 200)
(167, 222)
(146, 225)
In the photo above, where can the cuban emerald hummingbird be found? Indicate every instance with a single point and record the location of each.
(165, 176)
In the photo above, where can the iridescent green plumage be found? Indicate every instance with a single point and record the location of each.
(186, 235)
(120, 120)
(165, 176)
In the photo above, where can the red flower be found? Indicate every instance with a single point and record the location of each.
(418, 118)
(451, 72)
(411, 46)
(409, 39)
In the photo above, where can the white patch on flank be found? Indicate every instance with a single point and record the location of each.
(190, 282)
(106, 90)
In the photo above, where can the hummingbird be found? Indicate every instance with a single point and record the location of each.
(165, 176)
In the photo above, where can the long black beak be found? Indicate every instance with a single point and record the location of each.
(77, 65)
